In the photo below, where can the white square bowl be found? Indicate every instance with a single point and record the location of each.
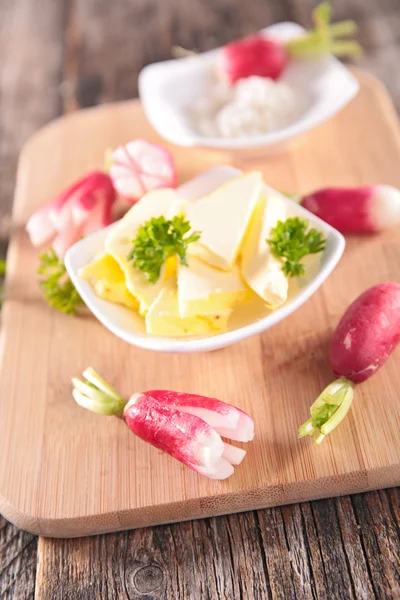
(129, 326)
(167, 88)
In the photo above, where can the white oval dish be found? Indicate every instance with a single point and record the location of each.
(167, 88)
(129, 326)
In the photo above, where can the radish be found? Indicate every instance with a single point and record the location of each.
(363, 340)
(186, 426)
(364, 209)
(82, 208)
(139, 166)
(268, 57)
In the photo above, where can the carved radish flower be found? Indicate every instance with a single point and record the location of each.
(82, 208)
(139, 166)
(186, 426)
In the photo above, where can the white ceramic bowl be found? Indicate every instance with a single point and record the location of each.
(167, 88)
(129, 326)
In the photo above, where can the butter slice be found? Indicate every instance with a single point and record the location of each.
(204, 289)
(222, 218)
(163, 317)
(160, 202)
(261, 270)
(108, 281)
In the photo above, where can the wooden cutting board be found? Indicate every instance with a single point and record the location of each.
(66, 472)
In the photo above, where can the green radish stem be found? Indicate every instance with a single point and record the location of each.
(329, 409)
(96, 395)
(325, 38)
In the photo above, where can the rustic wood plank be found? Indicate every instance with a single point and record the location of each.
(313, 551)
(17, 562)
(381, 541)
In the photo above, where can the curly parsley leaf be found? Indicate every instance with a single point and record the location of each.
(291, 240)
(157, 240)
(58, 289)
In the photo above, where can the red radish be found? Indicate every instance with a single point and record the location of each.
(138, 167)
(82, 208)
(364, 209)
(268, 57)
(363, 340)
(367, 333)
(186, 426)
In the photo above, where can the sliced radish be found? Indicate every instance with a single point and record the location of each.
(40, 227)
(183, 436)
(84, 207)
(232, 454)
(180, 424)
(139, 166)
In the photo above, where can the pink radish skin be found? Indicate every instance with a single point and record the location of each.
(365, 209)
(226, 419)
(183, 436)
(253, 55)
(172, 421)
(82, 208)
(367, 333)
(139, 166)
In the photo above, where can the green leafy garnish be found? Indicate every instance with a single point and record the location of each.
(291, 241)
(58, 289)
(157, 240)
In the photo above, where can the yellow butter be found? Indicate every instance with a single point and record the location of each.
(160, 202)
(222, 218)
(163, 317)
(204, 289)
(261, 270)
(108, 281)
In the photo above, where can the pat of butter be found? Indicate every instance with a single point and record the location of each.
(160, 202)
(163, 317)
(204, 289)
(108, 281)
(222, 218)
(261, 270)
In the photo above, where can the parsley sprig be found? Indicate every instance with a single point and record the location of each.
(58, 289)
(159, 238)
(291, 240)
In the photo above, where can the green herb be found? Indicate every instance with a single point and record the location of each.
(291, 240)
(58, 289)
(157, 240)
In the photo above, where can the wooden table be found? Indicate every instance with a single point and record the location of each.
(54, 58)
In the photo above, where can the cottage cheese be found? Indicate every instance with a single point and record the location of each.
(252, 106)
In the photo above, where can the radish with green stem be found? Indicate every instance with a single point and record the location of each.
(263, 56)
(363, 340)
(186, 426)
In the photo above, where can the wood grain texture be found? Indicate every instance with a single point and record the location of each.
(17, 563)
(75, 473)
(311, 551)
(26, 103)
(64, 574)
